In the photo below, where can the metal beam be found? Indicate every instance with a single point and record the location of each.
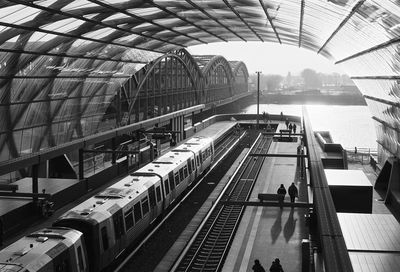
(386, 124)
(83, 18)
(214, 19)
(387, 102)
(62, 76)
(183, 19)
(376, 77)
(77, 37)
(127, 152)
(268, 204)
(366, 51)
(38, 53)
(244, 22)
(270, 20)
(277, 155)
(301, 22)
(353, 10)
(142, 19)
(25, 195)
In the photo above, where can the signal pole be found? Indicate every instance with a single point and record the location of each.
(258, 97)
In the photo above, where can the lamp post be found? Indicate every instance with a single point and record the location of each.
(258, 97)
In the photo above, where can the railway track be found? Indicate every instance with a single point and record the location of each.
(208, 249)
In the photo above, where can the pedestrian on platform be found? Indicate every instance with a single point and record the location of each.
(257, 267)
(290, 127)
(294, 128)
(276, 266)
(281, 116)
(287, 123)
(293, 192)
(282, 192)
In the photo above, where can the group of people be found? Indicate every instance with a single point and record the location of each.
(292, 190)
(290, 126)
(275, 267)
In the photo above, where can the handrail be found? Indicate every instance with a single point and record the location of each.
(334, 250)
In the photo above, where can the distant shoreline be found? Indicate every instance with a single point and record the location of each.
(313, 99)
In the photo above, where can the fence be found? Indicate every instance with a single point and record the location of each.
(361, 154)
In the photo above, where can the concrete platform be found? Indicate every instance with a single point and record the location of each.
(266, 233)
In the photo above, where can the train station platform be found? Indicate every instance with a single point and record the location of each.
(266, 233)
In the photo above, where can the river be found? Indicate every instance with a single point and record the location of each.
(349, 125)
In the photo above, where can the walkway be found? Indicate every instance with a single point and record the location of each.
(266, 233)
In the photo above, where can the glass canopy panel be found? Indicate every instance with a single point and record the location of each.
(383, 89)
(99, 34)
(146, 12)
(371, 25)
(18, 14)
(115, 18)
(63, 26)
(381, 62)
(321, 18)
(78, 4)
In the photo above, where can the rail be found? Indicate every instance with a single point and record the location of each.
(208, 249)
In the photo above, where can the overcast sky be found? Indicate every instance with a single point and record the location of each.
(269, 58)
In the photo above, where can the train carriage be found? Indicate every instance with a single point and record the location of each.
(111, 220)
(50, 249)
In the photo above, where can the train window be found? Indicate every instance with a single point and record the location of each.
(137, 210)
(181, 174)
(152, 196)
(62, 266)
(158, 194)
(80, 259)
(104, 237)
(193, 165)
(189, 164)
(145, 205)
(198, 160)
(177, 180)
(129, 219)
(166, 186)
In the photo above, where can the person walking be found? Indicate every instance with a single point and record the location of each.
(276, 266)
(287, 123)
(294, 128)
(282, 192)
(257, 267)
(290, 127)
(293, 192)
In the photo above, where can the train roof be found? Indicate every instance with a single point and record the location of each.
(118, 195)
(35, 250)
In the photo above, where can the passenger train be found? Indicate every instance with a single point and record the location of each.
(90, 236)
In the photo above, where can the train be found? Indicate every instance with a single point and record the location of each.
(90, 236)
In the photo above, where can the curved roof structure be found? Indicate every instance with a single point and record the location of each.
(52, 50)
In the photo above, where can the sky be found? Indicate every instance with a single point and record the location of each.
(269, 58)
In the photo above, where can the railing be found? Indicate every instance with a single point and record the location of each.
(361, 154)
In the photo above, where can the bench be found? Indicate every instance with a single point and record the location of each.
(271, 197)
(288, 131)
(9, 187)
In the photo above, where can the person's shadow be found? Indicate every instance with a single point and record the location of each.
(289, 227)
(276, 227)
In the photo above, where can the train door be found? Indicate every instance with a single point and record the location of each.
(172, 185)
(81, 259)
(118, 221)
(153, 204)
(212, 151)
(62, 262)
(191, 176)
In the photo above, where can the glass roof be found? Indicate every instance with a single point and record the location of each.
(89, 48)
